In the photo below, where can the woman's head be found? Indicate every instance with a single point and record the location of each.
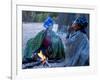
(79, 23)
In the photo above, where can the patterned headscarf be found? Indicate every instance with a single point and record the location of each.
(48, 22)
(82, 21)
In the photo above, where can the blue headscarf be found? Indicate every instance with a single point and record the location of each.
(82, 21)
(48, 22)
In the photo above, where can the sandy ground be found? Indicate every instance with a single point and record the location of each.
(30, 30)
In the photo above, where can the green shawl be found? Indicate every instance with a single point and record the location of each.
(33, 44)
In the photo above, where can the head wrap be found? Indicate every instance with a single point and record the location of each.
(81, 21)
(48, 22)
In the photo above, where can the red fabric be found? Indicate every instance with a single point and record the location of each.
(46, 41)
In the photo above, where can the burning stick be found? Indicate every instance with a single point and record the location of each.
(46, 62)
(30, 65)
(43, 58)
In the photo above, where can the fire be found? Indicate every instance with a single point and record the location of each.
(43, 57)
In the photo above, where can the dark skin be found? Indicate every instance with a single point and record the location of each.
(75, 27)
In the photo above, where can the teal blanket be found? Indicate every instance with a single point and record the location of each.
(56, 50)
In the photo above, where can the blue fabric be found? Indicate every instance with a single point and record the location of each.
(77, 49)
(81, 21)
(48, 22)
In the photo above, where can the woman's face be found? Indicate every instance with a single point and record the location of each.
(75, 26)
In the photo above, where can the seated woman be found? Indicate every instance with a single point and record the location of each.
(46, 41)
(77, 44)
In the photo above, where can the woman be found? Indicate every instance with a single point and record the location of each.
(77, 44)
(46, 41)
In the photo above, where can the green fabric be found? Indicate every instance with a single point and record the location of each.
(33, 44)
(57, 46)
(56, 50)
